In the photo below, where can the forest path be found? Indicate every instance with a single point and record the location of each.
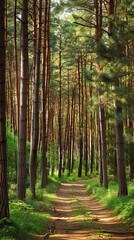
(78, 216)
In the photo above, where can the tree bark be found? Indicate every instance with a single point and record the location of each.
(45, 78)
(103, 146)
(80, 120)
(60, 112)
(4, 207)
(122, 188)
(35, 108)
(16, 68)
(24, 76)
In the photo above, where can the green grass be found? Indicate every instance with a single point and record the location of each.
(122, 206)
(81, 213)
(31, 216)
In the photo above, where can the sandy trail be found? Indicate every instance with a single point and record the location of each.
(78, 216)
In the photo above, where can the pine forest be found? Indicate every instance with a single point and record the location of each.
(66, 117)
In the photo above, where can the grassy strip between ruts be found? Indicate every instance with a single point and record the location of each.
(122, 206)
(30, 216)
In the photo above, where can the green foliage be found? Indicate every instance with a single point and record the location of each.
(52, 156)
(31, 216)
(11, 155)
(8, 229)
(121, 206)
(28, 218)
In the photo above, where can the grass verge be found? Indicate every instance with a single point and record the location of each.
(122, 206)
(31, 216)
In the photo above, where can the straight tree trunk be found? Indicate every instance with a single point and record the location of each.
(16, 67)
(60, 113)
(122, 188)
(35, 108)
(86, 133)
(44, 171)
(69, 128)
(4, 207)
(24, 76)
(102, 121)
(80, 122)
(12, 100)
(72, 128)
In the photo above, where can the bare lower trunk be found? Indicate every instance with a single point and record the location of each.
(4, 208)
(35, 111)
(21, 165)
(103, 146)
(122, 190)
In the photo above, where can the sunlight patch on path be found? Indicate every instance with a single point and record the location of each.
(77, 215)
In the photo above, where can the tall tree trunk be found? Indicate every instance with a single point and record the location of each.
(24, 76)
(60, 112)
(44, 171)
(35, 109)
(103, 148)
(91, 142)
(72, 128)
(122, 190)
(16, 66)
(86, 133)
(69, 128)
(4, 208)
(80, 120)
(102, 119)
(12, 100)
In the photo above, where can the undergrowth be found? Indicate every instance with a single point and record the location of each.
(28, 217)
(122, 206)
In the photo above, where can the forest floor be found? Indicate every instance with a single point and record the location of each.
(79, 216)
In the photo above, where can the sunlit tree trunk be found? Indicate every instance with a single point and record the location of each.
(60, 112)
(45, 79)
(86, 133)
(4, 207)
(35, 108)
(73, 113)
(24, 75)
(80, 96)
(102, 120)
(16, 66)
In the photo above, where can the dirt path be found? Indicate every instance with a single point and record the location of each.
(78, 216)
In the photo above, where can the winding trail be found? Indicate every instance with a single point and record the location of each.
(77, 215)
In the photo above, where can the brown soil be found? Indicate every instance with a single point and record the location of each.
(77, 215)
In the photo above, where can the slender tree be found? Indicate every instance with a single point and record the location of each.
(60, 107)
(24, 75)
(16, 67)
(102, 118)
(45, 74)
(35, 108)
(4, 208)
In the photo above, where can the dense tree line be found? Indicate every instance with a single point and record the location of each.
(66, 75)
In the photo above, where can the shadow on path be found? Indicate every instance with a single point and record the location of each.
(77, 215)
